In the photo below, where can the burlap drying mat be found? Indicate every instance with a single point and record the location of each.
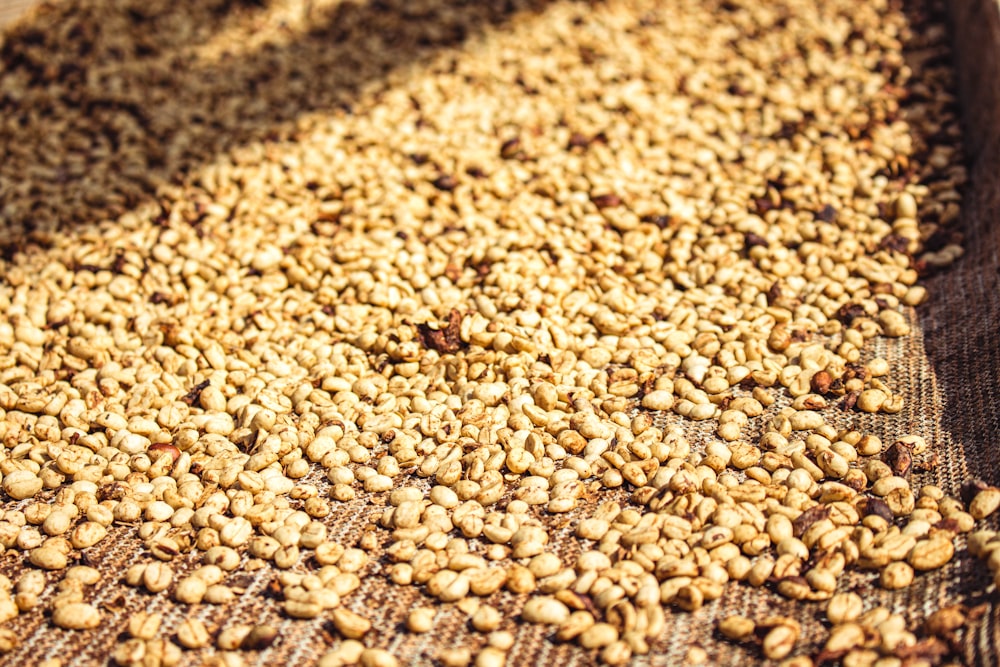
(949, 372)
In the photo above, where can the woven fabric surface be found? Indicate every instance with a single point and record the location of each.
(948, 371)
(960, 324)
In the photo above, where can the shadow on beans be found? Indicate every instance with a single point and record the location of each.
(103, 103)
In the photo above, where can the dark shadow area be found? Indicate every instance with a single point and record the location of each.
(90, 132)
(961, 318)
